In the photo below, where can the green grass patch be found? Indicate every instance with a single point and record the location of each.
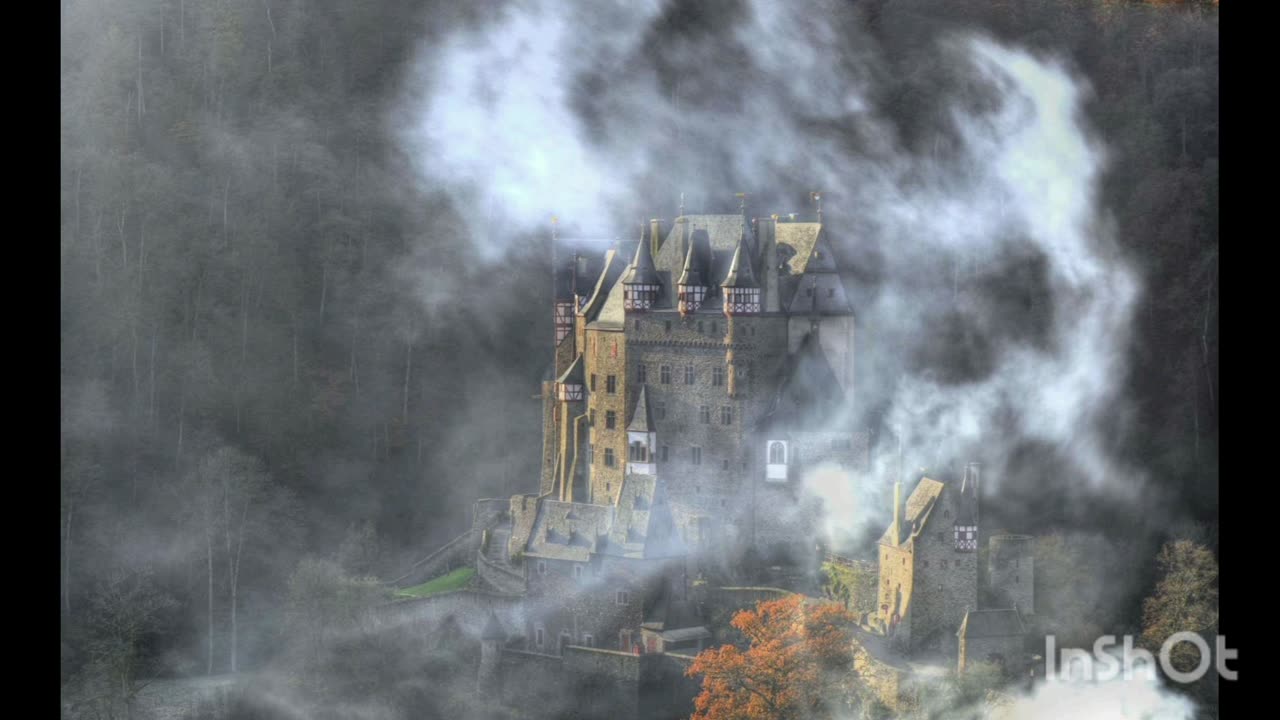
(453, 581)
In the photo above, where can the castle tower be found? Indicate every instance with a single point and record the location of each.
(741, 291)
(1011, 572)
(966, 524)
(492, 638)
(640, 284)
(692, 286)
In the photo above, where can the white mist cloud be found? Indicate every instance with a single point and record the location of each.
(558, 108)
(1138, 698)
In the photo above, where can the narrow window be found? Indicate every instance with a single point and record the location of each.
(726, 415)
(593, 382)
(542, 568)
(660, 410)
(697, 456)
(610, 419)
(714, 327)
(717, 376)
(688, 374)
(588, 640)
(591, 416)
(667, 326)
(611, 384)
(664, 373)
(608, 457)
(699, 327)
(641, 374)
(577, 572)
(704, 413)
(537, 636)
(636, 325)
(591, 453)
(622, 597)
(663, 455)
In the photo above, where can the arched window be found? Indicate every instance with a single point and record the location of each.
(777, 453)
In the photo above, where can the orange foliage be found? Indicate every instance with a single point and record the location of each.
(800, 651)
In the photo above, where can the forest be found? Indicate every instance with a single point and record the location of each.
(288, 365)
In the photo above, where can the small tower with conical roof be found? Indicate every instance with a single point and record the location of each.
(641, 438)
(741, 291)
(492, 638)
(640, 284)
(692, 286)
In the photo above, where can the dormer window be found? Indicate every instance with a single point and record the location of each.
(966, 537)
(564, 319)
(569, 392)
(639, 296)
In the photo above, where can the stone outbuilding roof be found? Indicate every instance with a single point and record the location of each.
(916, 512)
(991, 624)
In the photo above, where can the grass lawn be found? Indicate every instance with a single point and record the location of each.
(454, 580)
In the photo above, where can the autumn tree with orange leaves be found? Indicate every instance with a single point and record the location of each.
(799, 664)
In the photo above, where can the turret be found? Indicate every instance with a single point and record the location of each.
(741, 291)
(966, 525)
(692, 287)
(492, 638)
(640, 284)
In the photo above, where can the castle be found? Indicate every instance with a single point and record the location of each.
(698, 373)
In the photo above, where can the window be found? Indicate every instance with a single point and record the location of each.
(624, 640)
(622, 597)
(638, 452)
(664, 374)
(565, 640)
(577, 572)
(704, 414)
(667, 326)
(688, 374)
(591, 416)
(726, 415)
(660, 410)
(697, 456)
(611, 384)
(610, 419)
(777, 453)
(714, 327)
(641, 374)
(591, 453)
(663, 453)
(717, 376)
(588, 640)
(608, 457)
(699, 327)
(636, 324)
(593, 382)
(542, 568)
(538, 633)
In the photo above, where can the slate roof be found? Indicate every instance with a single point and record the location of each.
(740, 274)
(991, 624)
(916, 513)
(641, 418)
(641, 270)
(638, 525)
(575, 374)
(809, 395)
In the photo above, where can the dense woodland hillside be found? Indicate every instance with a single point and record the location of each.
(278, 343)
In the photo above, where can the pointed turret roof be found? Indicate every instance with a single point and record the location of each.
(740, 275)
(493, 628)
(641, 420)
(641, 271)
(695, 269)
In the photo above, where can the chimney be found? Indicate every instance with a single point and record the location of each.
(897, 512)
(655, 235)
